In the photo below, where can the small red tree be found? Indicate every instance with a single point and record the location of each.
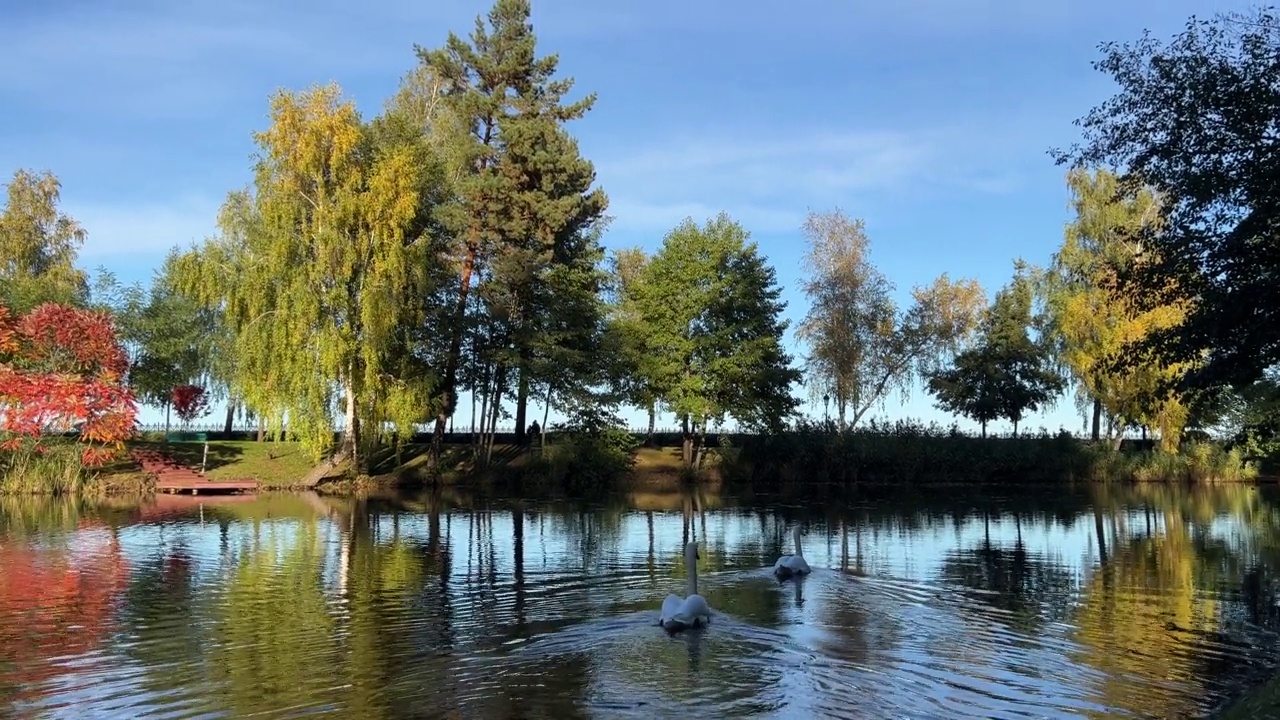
(59, 366)
(190, 402)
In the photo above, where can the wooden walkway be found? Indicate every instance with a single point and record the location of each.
(173, 477)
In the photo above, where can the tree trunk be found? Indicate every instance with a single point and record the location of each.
(350, 440)
(262, 428)
(496, 407)
(653, 419)
(449, 397)
(522, 399)
(230, 421)
(472, 434)
(166, 421)
(1097, 420)
(1015, 428)
(484, 412)
(546, 415)
(700, 445)
(686, 445)
(984, 428)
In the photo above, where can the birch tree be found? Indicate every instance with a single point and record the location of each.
(861, 346)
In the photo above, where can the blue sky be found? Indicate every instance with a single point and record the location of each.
(928, 118)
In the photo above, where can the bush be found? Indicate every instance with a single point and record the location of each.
(590, 453)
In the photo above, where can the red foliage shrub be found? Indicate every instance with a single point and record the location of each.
(190, 402)
(59, 366)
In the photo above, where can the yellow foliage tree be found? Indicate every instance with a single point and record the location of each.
(1095, 318)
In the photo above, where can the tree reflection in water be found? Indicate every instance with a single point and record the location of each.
(1155, 601)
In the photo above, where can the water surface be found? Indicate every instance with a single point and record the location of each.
(1152, 602)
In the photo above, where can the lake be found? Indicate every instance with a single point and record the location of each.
(944, 603)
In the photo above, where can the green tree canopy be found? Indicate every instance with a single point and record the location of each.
(317, 274)
(38, 245)
(710, 306)
(520, 194)
(1007, 373)
(1094, 317)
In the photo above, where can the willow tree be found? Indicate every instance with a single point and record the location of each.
(318, 273)
(861, 346)
(38, 245)
(1095, 317)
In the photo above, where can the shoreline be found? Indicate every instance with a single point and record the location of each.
(279, 466)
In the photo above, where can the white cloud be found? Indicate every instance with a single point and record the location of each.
(769, 183)
(147, 229)
(172, 60)
(657, 217)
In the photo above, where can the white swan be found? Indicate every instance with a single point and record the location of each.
(789, 565)
(693, 611)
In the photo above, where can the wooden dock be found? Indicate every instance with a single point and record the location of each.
(172, 477)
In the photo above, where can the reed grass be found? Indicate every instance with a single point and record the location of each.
(53, 469)
(908, 452)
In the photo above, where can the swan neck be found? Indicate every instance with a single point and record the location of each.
(796, 536)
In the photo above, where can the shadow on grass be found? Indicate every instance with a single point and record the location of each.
(190, 454)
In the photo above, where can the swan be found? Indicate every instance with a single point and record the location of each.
(692, 611)
(789, 565)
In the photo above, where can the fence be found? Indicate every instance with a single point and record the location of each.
(454, 429)
(505, 434)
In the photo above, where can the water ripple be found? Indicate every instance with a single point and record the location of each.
(267, 608)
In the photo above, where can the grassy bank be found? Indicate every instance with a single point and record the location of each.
(272, 464)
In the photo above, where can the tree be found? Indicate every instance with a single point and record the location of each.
(38, 245)
(61, 367)
(1006, 374)
(1094, 316)
(190, 402)
(971, 386)
(633, 374)
(504, 109)
(850, 305)
(549, 264)
(170, 338)
(318, 275)
(860, 346)
(1250, 417)
(710, 305)
(1194, 119)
